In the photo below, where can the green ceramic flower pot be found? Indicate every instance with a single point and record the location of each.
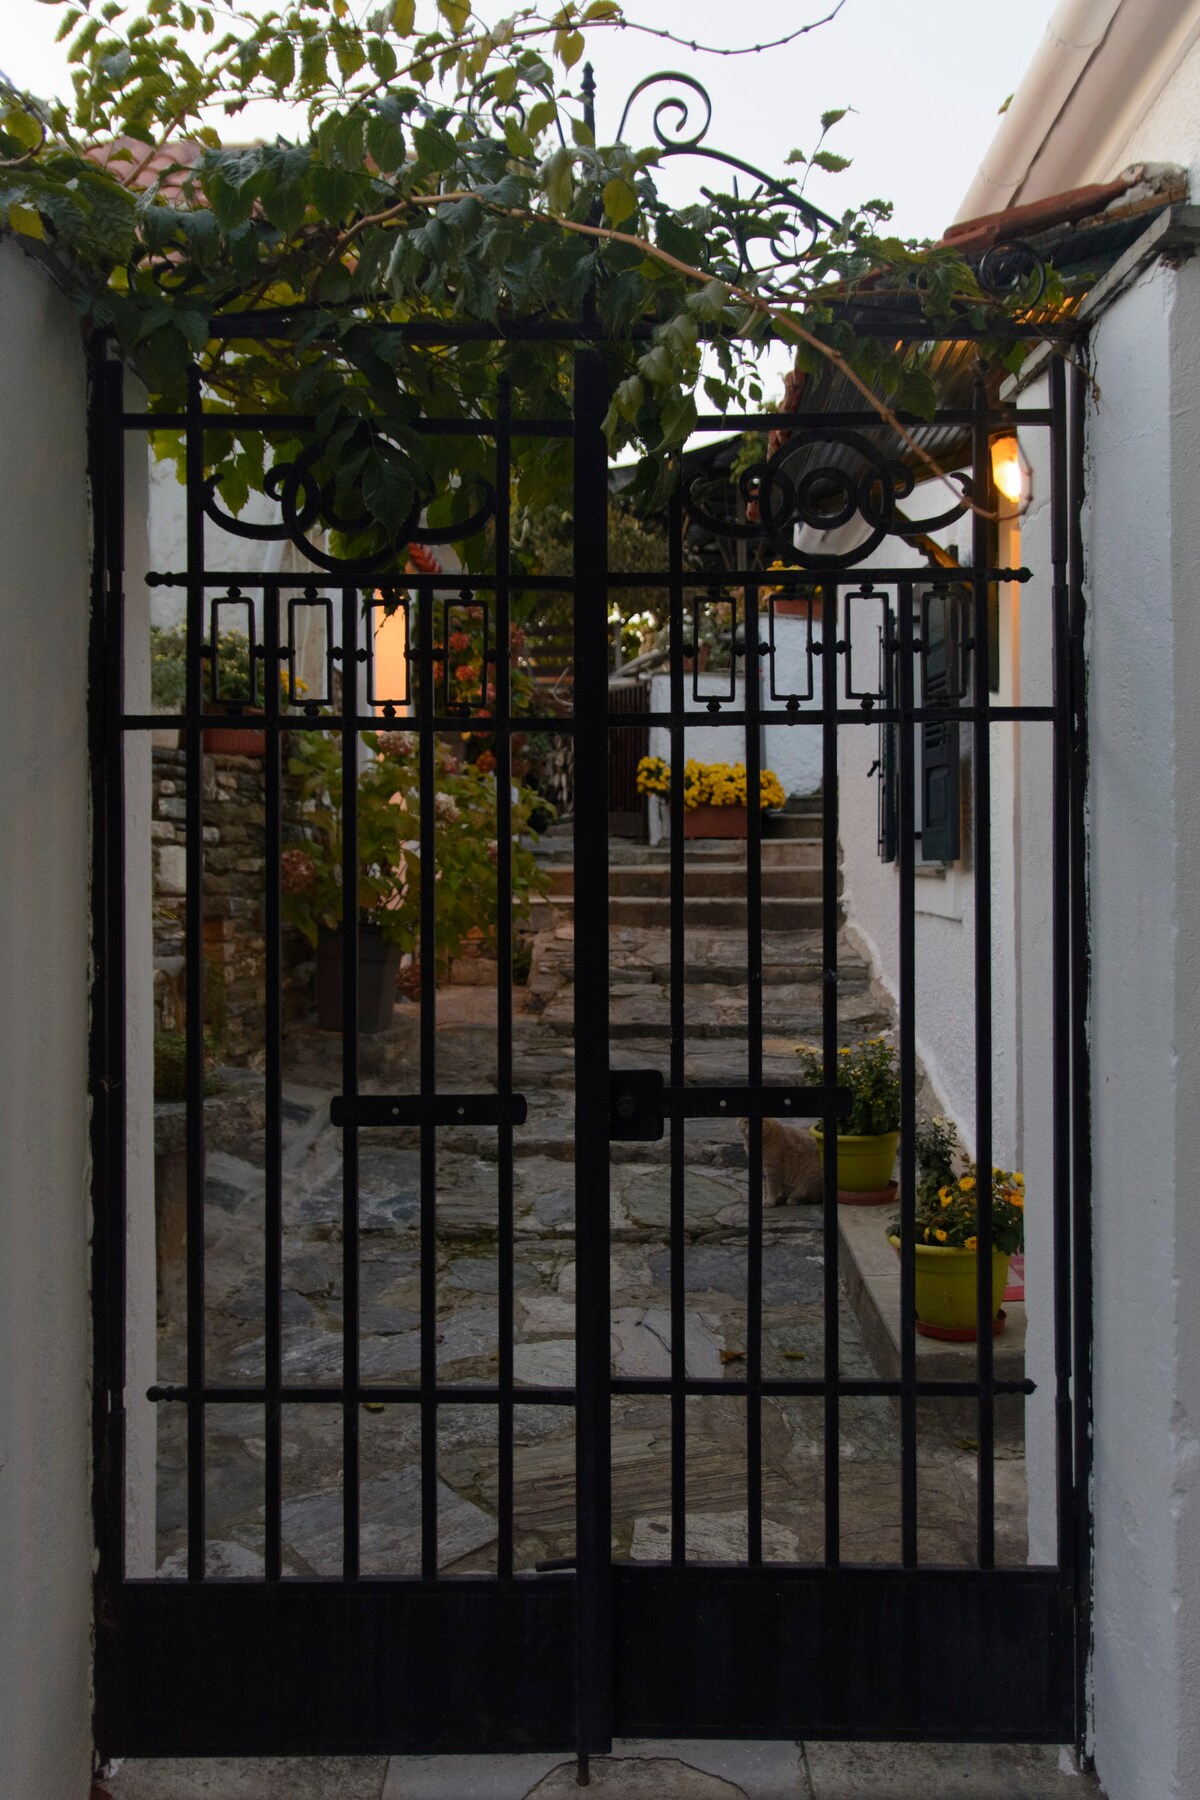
(945, 1285)
(864, 1164)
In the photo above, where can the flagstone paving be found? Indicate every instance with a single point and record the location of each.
(715, 1280)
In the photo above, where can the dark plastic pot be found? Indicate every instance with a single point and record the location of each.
(378, 970)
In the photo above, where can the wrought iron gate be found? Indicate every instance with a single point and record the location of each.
(568, 1656)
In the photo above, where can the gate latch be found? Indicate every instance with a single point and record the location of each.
(436, 1109)
(640, 1103)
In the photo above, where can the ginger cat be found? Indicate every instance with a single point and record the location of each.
(791, 1160)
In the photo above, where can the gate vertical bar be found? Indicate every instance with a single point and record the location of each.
(1081, 1116)
(678, 928)
(593, 1389)
(349, 735)
(106, 460)
(273, 1081)
(1060, 826)
(426, 707)
(194, 971)
(984, 495)
(906, 852)
(830, 596)
(754, 1071)
(504, 986)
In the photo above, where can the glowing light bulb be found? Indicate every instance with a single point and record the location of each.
(1007, 472)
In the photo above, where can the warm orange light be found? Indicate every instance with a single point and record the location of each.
(391, 653)
(1007, 472)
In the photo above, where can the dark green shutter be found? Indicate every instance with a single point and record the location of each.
(941, 665)
(885, 761)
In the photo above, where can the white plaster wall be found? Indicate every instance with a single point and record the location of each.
(944, 909)
(1143, 550)
(1161, 121)
(1032, 762)
(141, 1324)
(45, 1524)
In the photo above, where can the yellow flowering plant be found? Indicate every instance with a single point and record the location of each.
(948, 1215)
(872, 1073)
(709, 784)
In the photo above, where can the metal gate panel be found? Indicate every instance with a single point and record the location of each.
(567, 1657)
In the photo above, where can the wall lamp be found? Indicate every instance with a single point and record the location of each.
(1011, 475)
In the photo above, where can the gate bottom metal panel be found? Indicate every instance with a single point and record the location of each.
(857, 1653)
(304, 1668)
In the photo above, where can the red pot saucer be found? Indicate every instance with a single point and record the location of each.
(961, 1334)
(867, 1197)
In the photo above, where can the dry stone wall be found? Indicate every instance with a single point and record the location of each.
(234, 817)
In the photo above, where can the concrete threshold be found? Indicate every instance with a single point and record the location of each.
(870, 1271)
(638, 1769)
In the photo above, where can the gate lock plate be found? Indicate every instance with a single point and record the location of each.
(640, 1102)
(437, 1109)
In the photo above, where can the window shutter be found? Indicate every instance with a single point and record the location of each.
(941, 667)
(885, 761)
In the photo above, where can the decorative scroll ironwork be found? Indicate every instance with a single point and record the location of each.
(824, 478)
(308, 504)
(774, 215)
(1013, 268)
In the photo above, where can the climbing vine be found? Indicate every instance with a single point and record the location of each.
(448, 171)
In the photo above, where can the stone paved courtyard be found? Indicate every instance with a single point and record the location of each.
(715, 1278)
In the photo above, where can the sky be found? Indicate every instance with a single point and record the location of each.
(926, 80)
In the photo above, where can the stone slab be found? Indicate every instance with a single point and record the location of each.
(638, 1769)
(258, 1778)
(945, 1772)
(870, 1271)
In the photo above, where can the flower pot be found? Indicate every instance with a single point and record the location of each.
(378, 970)
(945, 1289)
(864, 1164)
(697, 662)
(797, 609)
(227, 740)
(715, 822)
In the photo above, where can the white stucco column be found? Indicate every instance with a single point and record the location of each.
(45, 1421)
(1143, 575)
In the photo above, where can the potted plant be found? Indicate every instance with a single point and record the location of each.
(388, 865)
(714, 794)
(234, 689)
(867, 1137)
(791, 600)
(947, 1225)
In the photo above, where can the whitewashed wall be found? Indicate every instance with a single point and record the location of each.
(944, 905)
(45, 1520)
(1143, 554)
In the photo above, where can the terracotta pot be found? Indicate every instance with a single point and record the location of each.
(715, 822)
(798, 609)
(696, 662)
(378, 970)
(227, 740)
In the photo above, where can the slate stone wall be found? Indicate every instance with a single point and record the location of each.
(234, 868)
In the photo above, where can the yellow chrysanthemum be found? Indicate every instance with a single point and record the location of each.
(966, 1183)
(970, 1243)
(1018, 1200)
(946, 1197)
(940, 1235)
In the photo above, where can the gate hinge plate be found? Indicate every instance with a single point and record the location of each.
(640, 1102)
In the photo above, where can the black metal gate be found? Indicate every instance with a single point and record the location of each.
(571, 1654)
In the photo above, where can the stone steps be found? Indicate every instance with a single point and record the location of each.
(652, 912)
